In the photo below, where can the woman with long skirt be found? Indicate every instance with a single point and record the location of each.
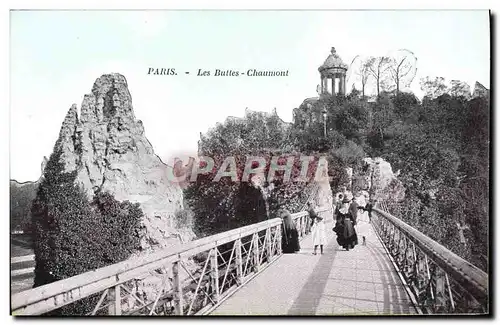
(344, 228)
(318, 229)
(289, 235)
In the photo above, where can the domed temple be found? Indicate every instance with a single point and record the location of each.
(333, 82)
(333, 75)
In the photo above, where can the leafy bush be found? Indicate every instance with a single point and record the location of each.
(225, 204)
(73, 235)
(21, 199)
(442, 149)
(404, 104)
(349, 154)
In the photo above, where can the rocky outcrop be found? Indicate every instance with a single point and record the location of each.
(44, 164)
(378, 179)
(383, 184)
(480, 91)
(308, 113)
(108, 148)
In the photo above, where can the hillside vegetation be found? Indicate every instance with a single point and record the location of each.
(439, 145)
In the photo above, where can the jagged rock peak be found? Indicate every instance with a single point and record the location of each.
(70, 121)
(104, 82)
(110, 98)
(108, 149)
(65, 143)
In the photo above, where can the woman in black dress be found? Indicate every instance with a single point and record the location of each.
(344, 227)
(289, 236)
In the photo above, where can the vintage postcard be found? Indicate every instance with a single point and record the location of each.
(250, 162)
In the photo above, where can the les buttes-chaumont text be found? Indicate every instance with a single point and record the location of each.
(221, 73)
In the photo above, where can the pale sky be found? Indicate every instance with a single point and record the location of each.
(57, 55)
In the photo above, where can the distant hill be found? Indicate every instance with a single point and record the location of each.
(21, 197)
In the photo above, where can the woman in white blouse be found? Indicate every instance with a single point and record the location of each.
(318, 228)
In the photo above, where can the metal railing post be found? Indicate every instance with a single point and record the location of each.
(178, 296)
(239, 261)
(279, 249)
(114, 300)
(440, 295)
(256, 252)
(215, 275)
(269, 244)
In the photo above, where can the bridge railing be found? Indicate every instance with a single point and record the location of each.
(440, 281)
(189, 279)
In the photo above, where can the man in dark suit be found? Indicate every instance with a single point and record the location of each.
(353, 209)
(369, 208)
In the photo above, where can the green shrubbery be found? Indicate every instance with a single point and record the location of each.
(225, 204)
(440, 146)
(21, 198)
(442, 149)
(73, 235)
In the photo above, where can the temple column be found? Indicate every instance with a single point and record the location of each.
(342, 85)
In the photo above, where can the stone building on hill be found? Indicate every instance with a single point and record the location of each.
(333, 75)
(332, 83)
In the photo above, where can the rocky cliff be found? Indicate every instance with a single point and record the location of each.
(108, 148)
(378, 179)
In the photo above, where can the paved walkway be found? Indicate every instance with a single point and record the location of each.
(361, 281)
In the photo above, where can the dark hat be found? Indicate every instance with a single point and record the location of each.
(346, 200)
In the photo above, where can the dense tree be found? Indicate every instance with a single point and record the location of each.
(378, 68)
(460, 89)
(73, 235)
(21, 198)
(442, 149)
(433, 88)
(406, 105)
(361, 67)
(402, 69)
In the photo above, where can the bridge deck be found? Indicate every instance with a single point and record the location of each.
(359, 281)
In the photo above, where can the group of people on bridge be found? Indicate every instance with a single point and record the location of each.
(351, 216)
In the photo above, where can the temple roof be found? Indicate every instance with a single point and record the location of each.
(333, 61)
